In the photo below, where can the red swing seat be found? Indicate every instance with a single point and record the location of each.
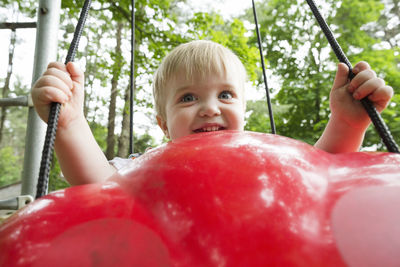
(220, 199)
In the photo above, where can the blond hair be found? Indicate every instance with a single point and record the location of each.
(199, 57)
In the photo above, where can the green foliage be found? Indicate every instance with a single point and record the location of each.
(10, 166)
(26, 7)
(301, 60)
(158, 29)
(286, 30)
(56, 181)
(232, 34)
(100, 134)
(144, 142)
(259, 121)
(350, 22)
(296, 52)
(12, 146)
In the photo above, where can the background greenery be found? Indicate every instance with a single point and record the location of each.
(298, 58)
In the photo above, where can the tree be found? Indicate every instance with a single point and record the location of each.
(231, 34)
(123, 140)
(116, 71)
(287, 29)
(9, 170)
(6, 87)
(386, 55)
(13, 119)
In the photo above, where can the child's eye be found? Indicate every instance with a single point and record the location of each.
(188, 98)
(225, 95)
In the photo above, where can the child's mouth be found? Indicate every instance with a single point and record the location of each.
(209, 129)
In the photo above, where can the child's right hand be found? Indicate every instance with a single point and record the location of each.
(63, 84)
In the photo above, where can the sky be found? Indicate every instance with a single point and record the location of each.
(226, 7)
(24, 52)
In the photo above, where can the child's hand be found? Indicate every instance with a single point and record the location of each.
(63, 84)
(345, 94)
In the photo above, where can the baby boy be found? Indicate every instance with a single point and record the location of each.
(199, 87)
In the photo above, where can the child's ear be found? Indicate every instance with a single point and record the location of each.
(163, 125)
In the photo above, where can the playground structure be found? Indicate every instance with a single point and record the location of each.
(48, 17)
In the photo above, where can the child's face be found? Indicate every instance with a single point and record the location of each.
(203, 105)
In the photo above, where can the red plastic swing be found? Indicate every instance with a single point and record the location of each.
(220, 199)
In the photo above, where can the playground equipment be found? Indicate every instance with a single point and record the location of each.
(220, 199)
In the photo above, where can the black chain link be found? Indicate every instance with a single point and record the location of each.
(48, 148)
(376, 118)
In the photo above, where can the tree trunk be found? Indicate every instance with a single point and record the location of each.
(123, 140)
(6, 87)
(110, 153)
(318, 90)
(91, 71)
(317, 103)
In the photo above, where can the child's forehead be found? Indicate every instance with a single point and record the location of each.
(191, 75)
(182, 79)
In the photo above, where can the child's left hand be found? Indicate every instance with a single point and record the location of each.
(345, 94)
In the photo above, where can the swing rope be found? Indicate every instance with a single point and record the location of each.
(376, 118)
(271, 116)
(132, 82)
(48, 148)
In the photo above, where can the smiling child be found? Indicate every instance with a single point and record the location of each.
(199, 87)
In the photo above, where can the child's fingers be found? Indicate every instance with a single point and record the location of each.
(381, 96)
(368, 87)
(76, 73)
(48, 95)
(361, 78)
(341, 78)
(360, 66)
(53, 81)
(60, 74)
(57, 65)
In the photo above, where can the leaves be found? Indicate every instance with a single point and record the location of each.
(9, 166)
(301, 59)
(295, 49)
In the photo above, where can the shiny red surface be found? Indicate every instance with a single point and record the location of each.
(220, 199)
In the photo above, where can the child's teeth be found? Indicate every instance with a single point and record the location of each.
(209, 129)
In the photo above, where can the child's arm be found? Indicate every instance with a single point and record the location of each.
(349, 121)
(80, 157)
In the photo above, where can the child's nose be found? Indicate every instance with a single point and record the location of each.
(209, 109)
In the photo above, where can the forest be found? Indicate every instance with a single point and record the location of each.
(300, 66)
